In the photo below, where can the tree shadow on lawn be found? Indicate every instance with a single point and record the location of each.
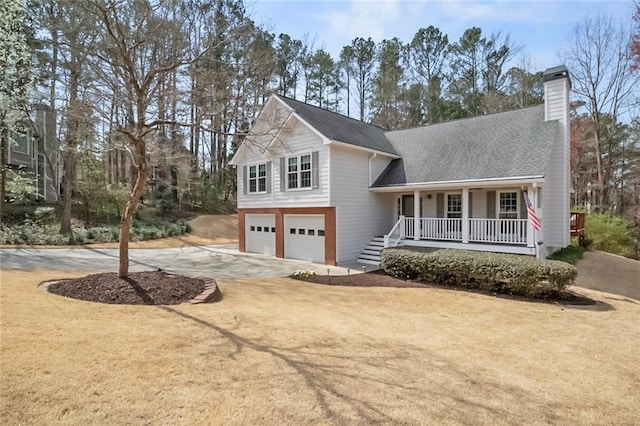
(567, 298)
(403, 385)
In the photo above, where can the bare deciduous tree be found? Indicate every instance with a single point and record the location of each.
(141, 45)
(599, 59)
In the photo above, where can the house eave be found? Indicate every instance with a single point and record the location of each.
(464, 183)
(361, 148)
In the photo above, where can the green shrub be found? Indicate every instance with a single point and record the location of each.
(570, 254)
(482, 270)
(45, 215)
(33, 233)
(613, 234)
(303, 274)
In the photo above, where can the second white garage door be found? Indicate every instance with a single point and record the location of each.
(260, 233)
(304, 237)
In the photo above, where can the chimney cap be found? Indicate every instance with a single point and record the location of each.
(556, 73)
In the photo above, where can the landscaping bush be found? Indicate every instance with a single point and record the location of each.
(570, 254)
(613, 234)
(514, 274)
(45, 215)
(30, 232)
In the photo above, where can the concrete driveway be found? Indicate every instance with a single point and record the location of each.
(217, 261)
(596, 271)
(607, 272)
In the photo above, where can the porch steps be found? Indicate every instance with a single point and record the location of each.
(371, 253)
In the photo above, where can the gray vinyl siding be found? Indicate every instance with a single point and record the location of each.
(360, 213)
(555, 197)
(555, 201)
(301, 140)
(378, 165)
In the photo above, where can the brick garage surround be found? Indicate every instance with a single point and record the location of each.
(279, 212)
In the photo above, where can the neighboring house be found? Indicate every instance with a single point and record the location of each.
(169, 163)
(319, 186)
(33, 147)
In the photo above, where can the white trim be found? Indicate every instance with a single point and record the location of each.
(374, 155)
(360, 148)
(417, 201)
(465, 215)
(497, 248)
(329, 188)
(458, 184)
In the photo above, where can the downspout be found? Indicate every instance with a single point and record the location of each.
(374, 155)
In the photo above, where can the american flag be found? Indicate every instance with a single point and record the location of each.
(531, 213)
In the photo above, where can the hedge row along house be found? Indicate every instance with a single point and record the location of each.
(318, 186)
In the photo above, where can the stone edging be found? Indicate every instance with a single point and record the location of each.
(210, 294)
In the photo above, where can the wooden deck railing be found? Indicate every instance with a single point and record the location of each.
(576, 224)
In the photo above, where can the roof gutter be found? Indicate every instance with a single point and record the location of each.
(466, 183)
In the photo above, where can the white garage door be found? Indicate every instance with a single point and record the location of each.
(260, 233)
(304, 237)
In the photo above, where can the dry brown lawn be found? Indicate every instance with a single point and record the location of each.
(287, 352)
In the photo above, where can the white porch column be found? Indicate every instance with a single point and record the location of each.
(465, 215)
(416, 215)
(531, 236)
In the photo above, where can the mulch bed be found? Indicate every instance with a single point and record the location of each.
(380, 279)
(140, 288)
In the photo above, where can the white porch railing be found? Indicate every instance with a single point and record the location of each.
(441, 229)
(495, 231)
(396, 234)
(503, 231)
(409, 229)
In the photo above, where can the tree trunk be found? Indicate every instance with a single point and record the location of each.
(71, 142)
(4, 136)
(67, 192)
(132, 205)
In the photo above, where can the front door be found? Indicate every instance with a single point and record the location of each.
(407, 206)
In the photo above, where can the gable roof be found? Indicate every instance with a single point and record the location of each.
(512, 144)
(340, 128)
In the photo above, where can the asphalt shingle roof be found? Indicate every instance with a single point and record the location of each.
(508, 144)
(340, 128)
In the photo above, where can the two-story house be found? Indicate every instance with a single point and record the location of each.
(33, 147)
(320, 186)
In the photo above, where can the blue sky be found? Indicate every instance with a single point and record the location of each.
(540, 27)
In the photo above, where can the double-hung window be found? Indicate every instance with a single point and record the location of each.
(21, 137)
(454, 206)
(508, 205)
(299, 172)
(258, 178)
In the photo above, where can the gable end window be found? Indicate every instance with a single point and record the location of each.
(258, 178)
(301, 171)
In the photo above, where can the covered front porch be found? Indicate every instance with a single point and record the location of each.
(491, 218)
